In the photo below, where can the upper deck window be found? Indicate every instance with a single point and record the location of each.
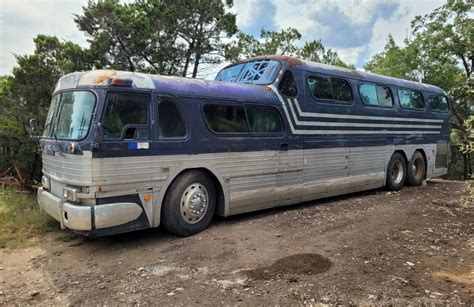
(438, 103)
(122, 110)
(330, 88)
(410, 99)
(253, 72)
(378, 95)
(287, 85)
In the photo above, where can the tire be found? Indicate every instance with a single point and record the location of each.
(189, 204)
(416, 169)
(396, 172)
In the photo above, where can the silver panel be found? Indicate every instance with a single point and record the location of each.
(69, 168)
(114, 214)
(50, 204)
(250, 180)
(78, 217)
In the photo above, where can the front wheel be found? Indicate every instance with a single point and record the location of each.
(416, 169)
(396, 172)
(189, 204)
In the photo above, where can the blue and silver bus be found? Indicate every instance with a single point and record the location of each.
(124, 151)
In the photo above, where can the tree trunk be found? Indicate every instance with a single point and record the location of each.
(469, 166)
(188, 58)
(196, 64)
(466, 169)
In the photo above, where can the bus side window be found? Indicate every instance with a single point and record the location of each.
(287, 85)
(170, 120)
(438, 103)
(264, 119)
(226, 118)
(126, 111)
(410, 99)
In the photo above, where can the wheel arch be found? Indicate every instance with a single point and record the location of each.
(222, 206)
(402, 152)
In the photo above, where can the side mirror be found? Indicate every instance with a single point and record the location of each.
(33, 128)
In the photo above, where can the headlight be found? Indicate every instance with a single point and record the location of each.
(46, 183)
(70, 193)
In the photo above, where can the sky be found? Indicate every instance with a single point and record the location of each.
(356, 29)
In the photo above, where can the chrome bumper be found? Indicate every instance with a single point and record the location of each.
(81, 217)
(69, 215)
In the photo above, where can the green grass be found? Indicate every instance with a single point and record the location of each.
(21, 221)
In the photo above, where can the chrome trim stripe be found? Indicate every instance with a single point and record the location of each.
(333, 132)
(345, 124)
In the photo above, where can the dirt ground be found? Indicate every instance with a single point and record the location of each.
(376, 247)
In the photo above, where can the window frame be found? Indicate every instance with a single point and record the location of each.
(125, 127)
(56, 116)
(411, 109)
(294, 80)
(330, 101)
(439, 111)
(156, 122)
(283, 127)
(241, 134)
(376, 105)
(224, 104)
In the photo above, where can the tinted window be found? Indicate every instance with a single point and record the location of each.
(368, 94)
(226, 118)
(410, 99)
(438, 103)
(376, 95)
(123, 109)
(264, 119)
(287, 85)
(341, 89)
(320, 87)
(384, 95)
(170, 121)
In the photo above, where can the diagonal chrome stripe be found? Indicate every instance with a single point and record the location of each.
(360, 125)
(334, 132)
(344, 116)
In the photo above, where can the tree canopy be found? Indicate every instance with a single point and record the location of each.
(178, 37)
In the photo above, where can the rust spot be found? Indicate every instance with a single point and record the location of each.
(267, 89)
(100, 79)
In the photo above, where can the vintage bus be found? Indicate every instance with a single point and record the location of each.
(124, 151)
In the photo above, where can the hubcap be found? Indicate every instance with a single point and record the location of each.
(194, 203)
(417, 169)
(396, 172)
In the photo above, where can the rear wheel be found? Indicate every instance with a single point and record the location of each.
(396, 172)
(189, 204)
(416, 169)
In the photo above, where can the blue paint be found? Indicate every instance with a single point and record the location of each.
(191, 94)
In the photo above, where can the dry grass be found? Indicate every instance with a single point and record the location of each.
(21, 221)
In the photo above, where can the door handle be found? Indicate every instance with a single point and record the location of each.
(283, 147)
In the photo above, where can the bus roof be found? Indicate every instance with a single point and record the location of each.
(167, 85)
(337, 71)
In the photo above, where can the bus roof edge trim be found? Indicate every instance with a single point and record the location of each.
(101, 77)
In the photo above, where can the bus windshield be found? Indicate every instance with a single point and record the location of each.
(70, 115)
(254, 72)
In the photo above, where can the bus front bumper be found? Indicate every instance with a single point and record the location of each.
(84, 217)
